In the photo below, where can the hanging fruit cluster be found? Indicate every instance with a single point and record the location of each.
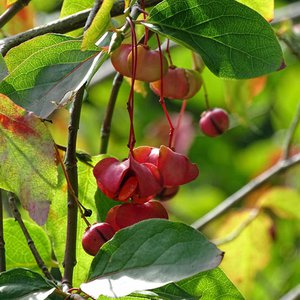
(148, 173)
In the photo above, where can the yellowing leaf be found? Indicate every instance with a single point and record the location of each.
(27, 159)
(283, 201)
(249, 252)
(98, 26)
(263, 7)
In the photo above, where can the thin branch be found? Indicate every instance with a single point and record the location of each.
(12, 11)
(64, 25)
(279, 167)
(293, 294)
(2, 243)
(30, 242)
(93, 13)
(290, 134)
(236, 233)
(105, 129)
(71, 168)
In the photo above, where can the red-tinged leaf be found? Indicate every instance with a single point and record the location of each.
(27, 159)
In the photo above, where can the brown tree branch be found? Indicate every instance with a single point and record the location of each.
(280, 167)
(12, 11)
(106, 125)
(30, 242)
(64, 25)
(71, 168)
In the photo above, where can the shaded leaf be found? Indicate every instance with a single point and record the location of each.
(249, 252)
(26, 152)
(16, 247)
(148, 255)
(73, 6)
(99, 25)
(56, 224)
(264, 7)
(283, 201)
(23, 284)
(233, 40)
(40, 81)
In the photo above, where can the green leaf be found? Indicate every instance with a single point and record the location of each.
(250, 251)
(209, 285)
(98, 26)
(27, 159)
(43, 70)
(73, 6)
(56, 224)
(3, 68)
(148, 255)
(283, 201)
(23, 284)
(16, 247)
(233, 40)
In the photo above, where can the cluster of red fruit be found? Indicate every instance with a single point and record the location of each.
(147, 173)
(178, 83)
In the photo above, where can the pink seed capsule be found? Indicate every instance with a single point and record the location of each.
(214, 122)
(95, 236)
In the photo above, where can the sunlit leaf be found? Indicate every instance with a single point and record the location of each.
(17, 249)
(148, 255)
(56, 224)
(23, 284)
(249, 251)
(283, 201)
(233, 40)
(43, 70)
(99, 25)
(27, 159)
(264, 7)
(73, 6)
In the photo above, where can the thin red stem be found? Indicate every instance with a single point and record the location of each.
(181, 113)
(130, 102)
(161, 98)
(169, 53)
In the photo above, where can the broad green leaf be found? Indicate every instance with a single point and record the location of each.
(249, 252)
(3, 68)
(23, 284)
(264, 7)
(17, 250)
(283, 201)
(233, 40)
(148, 255)
(98, 26)
(56, 224)
(27, 159)
(209, 285)
(46, 6)
(73, 6)
(40, 80)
